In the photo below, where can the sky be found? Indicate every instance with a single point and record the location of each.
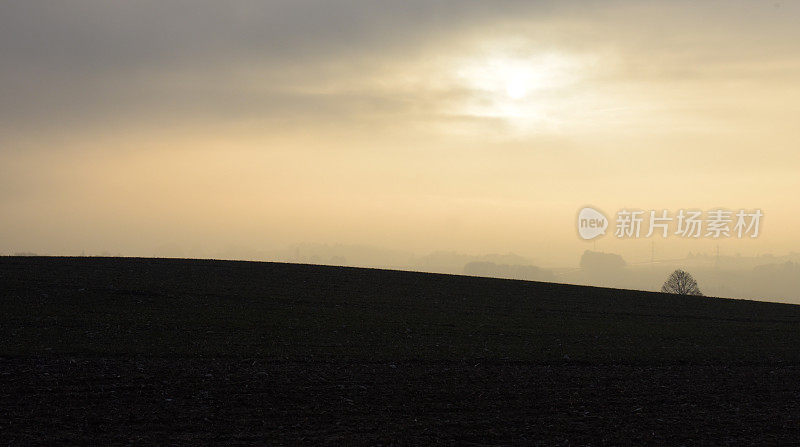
(469, 126)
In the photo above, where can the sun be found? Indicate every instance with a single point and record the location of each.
(517, 87)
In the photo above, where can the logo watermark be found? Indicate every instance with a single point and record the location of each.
(685, 223)
(591, 223)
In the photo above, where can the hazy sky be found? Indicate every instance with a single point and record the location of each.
(471, 126)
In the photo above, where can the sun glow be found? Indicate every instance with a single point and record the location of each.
(525, 90)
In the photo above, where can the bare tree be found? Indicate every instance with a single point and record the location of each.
(681, 283)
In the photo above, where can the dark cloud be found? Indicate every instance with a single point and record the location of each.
(94, 35)
(91, 62)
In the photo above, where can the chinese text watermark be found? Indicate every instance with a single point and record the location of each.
(686, 223)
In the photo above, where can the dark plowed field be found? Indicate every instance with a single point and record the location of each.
(103, 351)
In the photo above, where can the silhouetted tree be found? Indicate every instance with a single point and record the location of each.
(681, 283)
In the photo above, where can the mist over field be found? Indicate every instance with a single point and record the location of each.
(765, 277)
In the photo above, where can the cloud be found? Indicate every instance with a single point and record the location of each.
(93, 64)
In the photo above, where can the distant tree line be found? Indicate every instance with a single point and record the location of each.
(510, 271)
